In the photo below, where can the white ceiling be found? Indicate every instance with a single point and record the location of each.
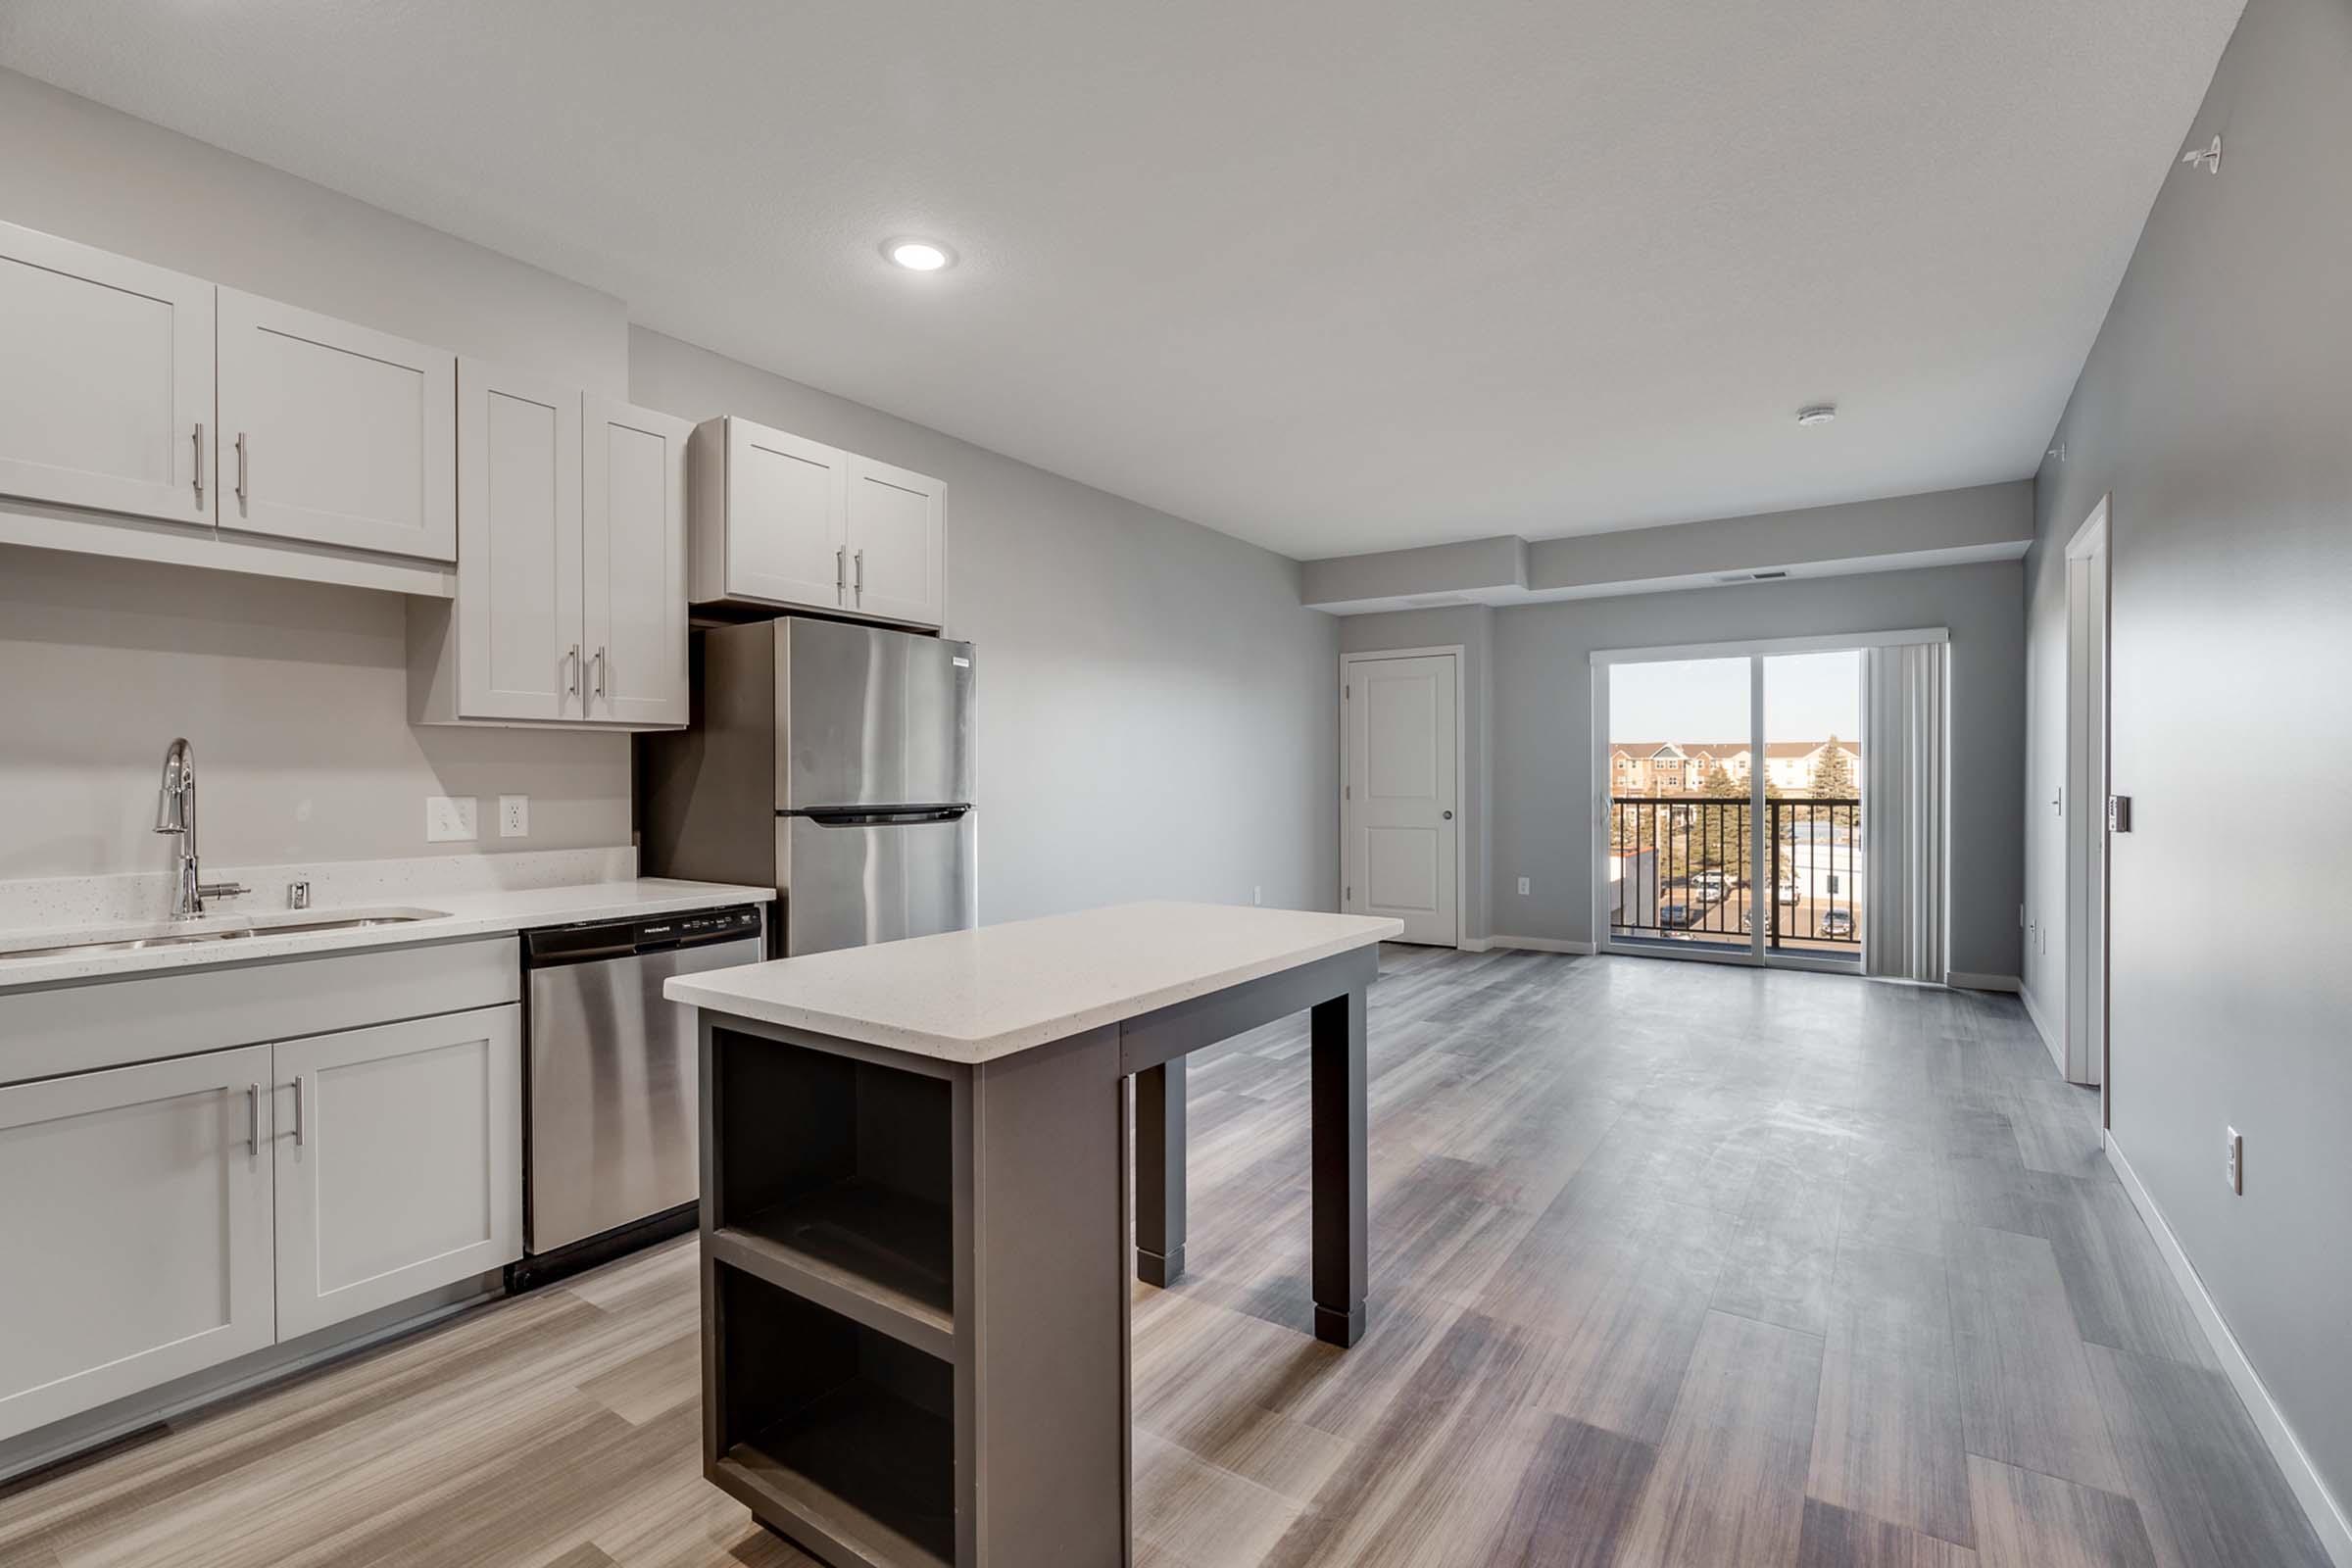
(1331, 275)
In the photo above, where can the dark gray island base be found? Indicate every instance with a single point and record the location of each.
(914, 1270)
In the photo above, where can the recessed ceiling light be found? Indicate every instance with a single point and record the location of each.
(1817, 413)
(919, 255)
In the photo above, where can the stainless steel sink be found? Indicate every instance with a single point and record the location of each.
(231, 928)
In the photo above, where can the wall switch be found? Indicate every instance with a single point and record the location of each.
(448, 818)
(513, 816)
(1257, 895)
(1522, 887)
(2237, 1168)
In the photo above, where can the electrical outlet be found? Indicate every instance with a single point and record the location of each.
(2237, 1167)
(513, 816)
(449, 818)
(1257, 895)
(1522, 887)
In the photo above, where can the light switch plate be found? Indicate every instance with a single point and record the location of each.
(449, 818)
(1522, 887)
(513, 816)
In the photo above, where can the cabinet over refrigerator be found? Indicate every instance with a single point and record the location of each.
(833, 763)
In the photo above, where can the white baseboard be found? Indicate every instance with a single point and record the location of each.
(1538, 943)
(1472, 945)
(2327, 1518)
(2052, 1040)
(1983, 982)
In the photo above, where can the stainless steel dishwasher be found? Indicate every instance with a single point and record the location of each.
(609, 1084)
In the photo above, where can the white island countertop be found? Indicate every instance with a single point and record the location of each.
(975, 996)
(446, 916)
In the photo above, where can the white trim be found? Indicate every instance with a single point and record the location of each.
(2087, 780)
(1537, 944)
(2326, 1515)
(1461, 773)
(1961, 980)
(2051, 1041)
(1474, 943)
(1766, 647)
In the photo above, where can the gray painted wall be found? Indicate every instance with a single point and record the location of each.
(1157, 714)
(2216, 410)
(1157, 708)
(1539, 762)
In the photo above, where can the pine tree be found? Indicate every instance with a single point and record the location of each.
(1833, 773)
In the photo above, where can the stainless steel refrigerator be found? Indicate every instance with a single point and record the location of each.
(832, 762)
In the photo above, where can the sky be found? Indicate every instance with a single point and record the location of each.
(1807, 697)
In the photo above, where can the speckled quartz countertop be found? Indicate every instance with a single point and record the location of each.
(973, 996)
(446, 915)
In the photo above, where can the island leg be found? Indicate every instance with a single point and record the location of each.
(1338, 1098)
(1160, 1140)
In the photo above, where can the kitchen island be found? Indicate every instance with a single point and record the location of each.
(916, 1180)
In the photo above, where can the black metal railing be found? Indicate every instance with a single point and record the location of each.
(1680, 870)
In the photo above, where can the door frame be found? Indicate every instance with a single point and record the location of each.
(1755, 650)
(2090, 757)
(1461, 773)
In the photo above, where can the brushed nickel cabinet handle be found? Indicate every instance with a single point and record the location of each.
(240, 467)
(297, 1080)
(600, 669)
(841, 573)
(862, 576)
(571, 682)
(253, 1118)
(200, 463)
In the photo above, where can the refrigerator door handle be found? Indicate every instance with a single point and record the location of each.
(878, 817)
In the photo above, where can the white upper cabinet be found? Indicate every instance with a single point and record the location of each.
(769, 516)
(897, 539)
(780, 519)
(520, 650)
(137, 1226)
(633, 563)
(106, 380)
(334, 433)
(571, 563)
(398, 1164)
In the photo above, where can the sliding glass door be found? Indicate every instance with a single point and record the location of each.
(1733, 819)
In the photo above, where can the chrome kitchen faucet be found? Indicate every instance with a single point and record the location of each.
(176, 813)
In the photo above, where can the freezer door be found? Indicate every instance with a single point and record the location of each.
(849, 882)
(870, 717)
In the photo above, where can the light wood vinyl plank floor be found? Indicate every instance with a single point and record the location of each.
(1672, 1265)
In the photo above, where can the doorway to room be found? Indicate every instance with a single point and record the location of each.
(1773, 803)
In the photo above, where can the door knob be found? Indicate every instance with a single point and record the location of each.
(1448, 817)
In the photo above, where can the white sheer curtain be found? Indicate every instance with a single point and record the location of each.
(1903, 823)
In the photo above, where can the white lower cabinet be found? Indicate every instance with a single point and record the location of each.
(135, 1230)
(399, 1162)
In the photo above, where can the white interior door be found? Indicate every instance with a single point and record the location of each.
(335, 433)
(106, 380)
(134, 1221)
(633, 563)
(1404, 833)
(400, 1167)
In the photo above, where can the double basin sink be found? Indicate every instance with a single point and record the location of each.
(133, 937)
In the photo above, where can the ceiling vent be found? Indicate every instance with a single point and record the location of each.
(1774, 575)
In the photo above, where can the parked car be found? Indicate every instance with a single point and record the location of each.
(1837, 923)
(1671, 916)
(1789, 893)
(1712, 883)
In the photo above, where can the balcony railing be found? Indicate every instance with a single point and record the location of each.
(1679, 872)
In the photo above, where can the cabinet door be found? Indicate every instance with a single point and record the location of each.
(634, 573)
(401, 1166)
(784, 517)
(519, 637)
(106, 380)
(134, 1219)
(334, 434)
(897, 539)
